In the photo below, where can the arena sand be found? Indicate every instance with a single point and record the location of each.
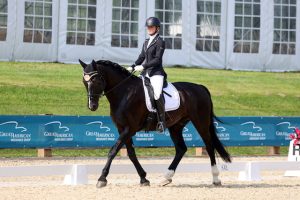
(185, 185)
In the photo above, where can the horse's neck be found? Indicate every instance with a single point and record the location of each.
(118, 86)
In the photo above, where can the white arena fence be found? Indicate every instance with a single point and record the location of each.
(78, 174)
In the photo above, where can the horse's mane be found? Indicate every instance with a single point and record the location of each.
(116, 66)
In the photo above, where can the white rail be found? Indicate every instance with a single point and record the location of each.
(78, 174)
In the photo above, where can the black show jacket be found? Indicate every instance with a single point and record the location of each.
(151, 57)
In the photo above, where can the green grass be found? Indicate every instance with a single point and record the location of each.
(52, 88)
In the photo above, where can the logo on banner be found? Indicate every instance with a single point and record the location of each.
(144, 136)
(254, 132)
(102, 133)
(221, 132)
(15, 132)
(186, 135)
(285, 129)
(61, 133)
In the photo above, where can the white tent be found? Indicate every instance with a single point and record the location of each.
(235, 34)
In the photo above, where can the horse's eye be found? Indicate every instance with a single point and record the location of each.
(94, 79)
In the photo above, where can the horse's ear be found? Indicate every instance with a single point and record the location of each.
(94, 63)
(82, 64)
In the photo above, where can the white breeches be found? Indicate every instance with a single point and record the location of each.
(157, 82)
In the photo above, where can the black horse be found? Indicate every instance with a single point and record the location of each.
(128, 110)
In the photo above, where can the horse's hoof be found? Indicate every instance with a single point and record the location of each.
(166, 182)
(217, 183)
(101, 184)
(145, 183)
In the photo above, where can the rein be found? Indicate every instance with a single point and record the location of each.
(105, 93)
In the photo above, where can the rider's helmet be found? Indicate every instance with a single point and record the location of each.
(152, 21)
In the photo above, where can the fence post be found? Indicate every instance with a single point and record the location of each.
(251, 172)
(201, 151)
(274, 150)
(42, 153)
(123, 152)
(78, 175)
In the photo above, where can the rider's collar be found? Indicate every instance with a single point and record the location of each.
(153, 36)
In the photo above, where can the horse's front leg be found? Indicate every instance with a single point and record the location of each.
(136, 163)
(111, 155)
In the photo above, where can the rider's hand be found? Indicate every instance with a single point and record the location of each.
(139, 68)
(130, 69)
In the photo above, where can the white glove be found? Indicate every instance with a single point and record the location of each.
(129, 69)
(139, 68)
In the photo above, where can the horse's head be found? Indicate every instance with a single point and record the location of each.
(93, 82)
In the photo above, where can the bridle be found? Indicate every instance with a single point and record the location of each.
(88, 77)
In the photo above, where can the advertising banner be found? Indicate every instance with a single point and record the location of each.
(100, 131)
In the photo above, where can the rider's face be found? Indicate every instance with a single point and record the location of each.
(151, 30)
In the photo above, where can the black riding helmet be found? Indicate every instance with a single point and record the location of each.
(152, 21)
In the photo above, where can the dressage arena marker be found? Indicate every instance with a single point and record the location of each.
(293, 156)
(78, 174)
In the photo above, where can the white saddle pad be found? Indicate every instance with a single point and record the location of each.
(171, 102)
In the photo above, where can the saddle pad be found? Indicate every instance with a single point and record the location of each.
(171, 103)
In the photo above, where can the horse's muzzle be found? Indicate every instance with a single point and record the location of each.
(93, 106)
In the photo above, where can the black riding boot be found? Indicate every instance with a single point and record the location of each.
(160, 108)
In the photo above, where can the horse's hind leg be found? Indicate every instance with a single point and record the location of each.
(202, 126)
(136, 163)
(180, 147)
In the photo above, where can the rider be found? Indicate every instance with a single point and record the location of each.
(150, 63)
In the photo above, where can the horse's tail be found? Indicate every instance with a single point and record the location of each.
(215, 140)
(217, 143)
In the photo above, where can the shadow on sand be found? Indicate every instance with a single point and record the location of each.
(241, 186)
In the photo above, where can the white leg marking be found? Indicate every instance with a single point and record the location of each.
(168, 178)
(169, 175)
(215, 174)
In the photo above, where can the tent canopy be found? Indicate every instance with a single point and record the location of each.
(256, 35)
